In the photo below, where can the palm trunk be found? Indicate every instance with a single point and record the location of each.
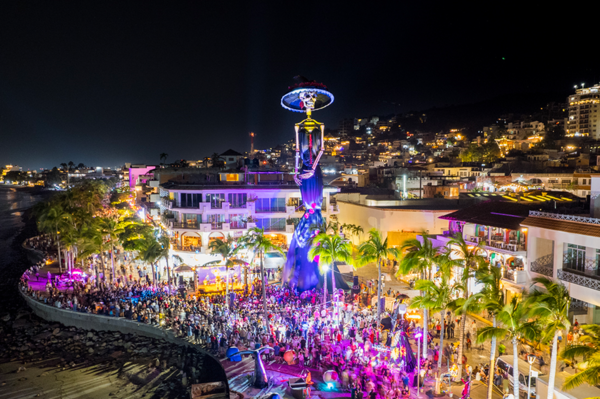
(102, 263)
(463, 327)
(425, 321)
(246, 278)
(333, 289)
(59, 255)
(552, 375)
(325, 290)
(264, 291)
(441, 340)
(226, 285)
(153, 273)
(112, 261)
(169, 276)
(516, 371)
(378, 292)
(492, 365)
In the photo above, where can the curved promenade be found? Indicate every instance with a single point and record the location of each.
(90, 321)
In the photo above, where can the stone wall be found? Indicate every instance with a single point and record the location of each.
(89, 321)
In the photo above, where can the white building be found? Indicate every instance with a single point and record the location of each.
(567, 248)
(583, 117)
(196, 214)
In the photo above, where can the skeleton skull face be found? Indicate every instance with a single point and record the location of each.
(308, 98)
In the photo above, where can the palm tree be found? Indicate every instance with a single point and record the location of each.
(551, 305)
(227, 251)
(436, 297)
(470, 259)
(256, 240)
(51, 218)
(513, 318)
(217, 160)
(151, 253)
(589, 348)
(111, 229)
(490, 299)
(375, 249)
(329, 249)
(163, 157)
(419, 258)
(164, 252)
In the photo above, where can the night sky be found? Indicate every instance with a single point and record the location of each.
(106, 83)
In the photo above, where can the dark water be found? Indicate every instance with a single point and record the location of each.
(16, 225)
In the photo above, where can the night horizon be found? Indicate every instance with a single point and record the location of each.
(107, 85)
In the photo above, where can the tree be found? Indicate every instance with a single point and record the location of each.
(163, 157)
(375, 249)
(256, 241)
(111, 229)
(419, 258)
(490, 299)
(513, 318)
(71, 165)
(151, 252)
(329, 249)
(164, 252)
(217, 161)
(227, 251)
(352, 230)
(589, 348)
(436, 297)
(551, 305)
(51, 218)
(470, 259)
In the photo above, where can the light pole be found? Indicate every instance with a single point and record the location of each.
(418, 336)
(530, 358)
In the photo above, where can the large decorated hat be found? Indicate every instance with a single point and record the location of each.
(306, 95)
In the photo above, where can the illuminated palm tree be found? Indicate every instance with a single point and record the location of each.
(376, 249)
(470, 259)
(589, 348)
(51, 218)
(329, 249)
(515, 326)
(436, 296)
(419, 257)
(490, 299)
(227, 251)
(551, 305)
(256, 241)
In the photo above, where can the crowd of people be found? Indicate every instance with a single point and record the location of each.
(348, 340)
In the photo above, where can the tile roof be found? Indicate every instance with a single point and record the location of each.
(562, 225)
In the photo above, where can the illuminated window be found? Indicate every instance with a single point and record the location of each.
(232, 177)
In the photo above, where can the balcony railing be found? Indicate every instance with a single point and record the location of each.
(543, 265)
(188, 248)
(188, 225)
(512, 245)
(575, 277)
(516, 276)
(570, 218)
(588, 267)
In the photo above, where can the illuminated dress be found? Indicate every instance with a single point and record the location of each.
(306, 97)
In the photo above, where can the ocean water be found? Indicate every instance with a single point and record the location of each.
(16, 225)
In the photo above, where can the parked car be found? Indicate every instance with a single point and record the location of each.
(505, 365)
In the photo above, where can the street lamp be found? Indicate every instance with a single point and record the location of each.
(418, 336)
(530, 358)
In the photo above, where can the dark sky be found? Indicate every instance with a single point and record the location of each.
(106, 83)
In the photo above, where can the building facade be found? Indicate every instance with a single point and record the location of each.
(196, 214)
(583, 117)
(567, 248)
